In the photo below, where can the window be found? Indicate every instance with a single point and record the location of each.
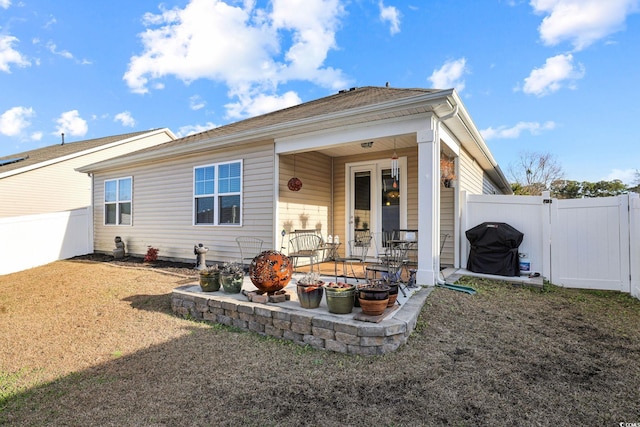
(117, 201)
(217, 193)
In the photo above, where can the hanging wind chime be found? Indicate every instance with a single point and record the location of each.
(395, 171)
(294, 183)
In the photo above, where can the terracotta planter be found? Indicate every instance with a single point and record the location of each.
(340, 300)
(310, 296)
(231, 284)
(393, 294)
(374, 299)
(210, 282)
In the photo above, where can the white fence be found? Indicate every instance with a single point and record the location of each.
(33, 240)
(582, 243)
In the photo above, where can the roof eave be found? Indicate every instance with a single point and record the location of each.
(270, 132)
(486, 160)
(85, 152)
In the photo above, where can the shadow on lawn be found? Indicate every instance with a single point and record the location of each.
(160, 303)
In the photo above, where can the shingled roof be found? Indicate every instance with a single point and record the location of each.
(341, 101)
(52, 152)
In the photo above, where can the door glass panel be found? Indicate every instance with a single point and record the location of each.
(390, 201)
(362, 201)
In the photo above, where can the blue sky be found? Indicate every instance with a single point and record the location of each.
(549, 76)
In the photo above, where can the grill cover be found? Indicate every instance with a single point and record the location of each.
(494, 249)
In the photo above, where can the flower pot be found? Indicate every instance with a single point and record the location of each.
(340, 300)
(231, 284)
(374, 299)
(310, 296)
(210, 282)
(393, 293)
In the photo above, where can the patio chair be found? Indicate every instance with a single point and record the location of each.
(249, 248)
(358, 249)
(391, 265)
(304, 245)
(382, 241)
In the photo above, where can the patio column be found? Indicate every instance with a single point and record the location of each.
(428, 203)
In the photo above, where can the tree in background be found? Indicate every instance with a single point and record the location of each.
(534, 172)
(565, 189)
(636, 183)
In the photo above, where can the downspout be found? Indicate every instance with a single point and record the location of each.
(453, 112)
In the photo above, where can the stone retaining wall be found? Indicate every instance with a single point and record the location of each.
(324, 331)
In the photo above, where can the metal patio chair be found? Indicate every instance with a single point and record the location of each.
(305, 245)
(358, 249)
(249, 248)
(391, 265)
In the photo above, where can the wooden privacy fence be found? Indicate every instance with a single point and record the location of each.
(581, 243)
(33, 240)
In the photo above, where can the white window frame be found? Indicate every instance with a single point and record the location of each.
(217, 195)
(117, 202)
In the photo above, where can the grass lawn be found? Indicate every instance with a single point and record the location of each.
(96, 344)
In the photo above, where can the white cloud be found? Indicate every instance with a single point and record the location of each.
(51, 22)
(557, 72)
(392, 15)
(54, 49)
(196, 103)
(36, 136)
(261, 104)
(193, 129)
(70, 123)
(627, 176)
(240, 45)
(15, 120)
(8, 55)
(5, 4)
(125, 119)
(504, 132)
(450, 75)
(581, 22)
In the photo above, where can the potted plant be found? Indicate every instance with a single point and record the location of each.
(210, 279)
(373, 298)
(231, 277)
(310, 290)
(340, 297)
(391, 281)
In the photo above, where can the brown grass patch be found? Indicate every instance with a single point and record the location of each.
(96, 344)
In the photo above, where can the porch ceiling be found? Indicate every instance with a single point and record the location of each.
(353, 148)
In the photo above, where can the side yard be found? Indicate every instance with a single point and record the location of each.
(90, 343)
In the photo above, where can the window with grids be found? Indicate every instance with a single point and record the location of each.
(217, 193)
(117, 201)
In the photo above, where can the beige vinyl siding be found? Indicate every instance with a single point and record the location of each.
(53, 188)
(309, 208)
(447, 225)
(471, 174)
(58, 187)
(488, 187)
(162, 206)
(339, 183)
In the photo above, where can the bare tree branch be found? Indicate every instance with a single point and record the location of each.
(534, 172)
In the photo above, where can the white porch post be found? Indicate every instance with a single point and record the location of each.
(428, 204)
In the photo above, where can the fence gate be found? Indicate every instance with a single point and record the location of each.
(590, 244)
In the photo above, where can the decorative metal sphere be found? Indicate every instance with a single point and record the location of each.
(270, 271)
(294, 184)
